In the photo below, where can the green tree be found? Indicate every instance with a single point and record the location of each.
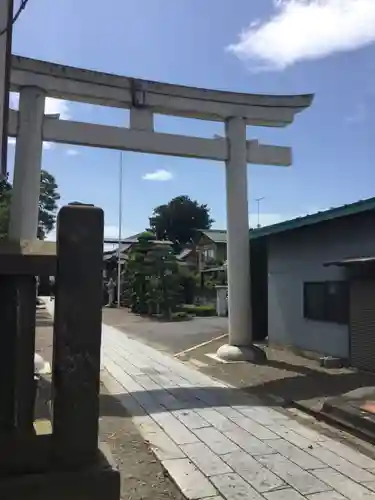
(152, 277)
(49, 196)
(178, 220)
(139, 270)
(165, 288)
(5, 194)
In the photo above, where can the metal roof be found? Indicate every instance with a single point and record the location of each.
(351, 261)
(129, 239)
(308, 220)
(184, 253)
(216, 235)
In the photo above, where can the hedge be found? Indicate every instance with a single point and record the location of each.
(204, 310)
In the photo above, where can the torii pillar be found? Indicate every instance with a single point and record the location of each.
(240, 346)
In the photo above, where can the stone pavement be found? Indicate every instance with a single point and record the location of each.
(216, 442)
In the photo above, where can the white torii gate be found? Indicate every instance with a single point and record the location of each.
(35, 80)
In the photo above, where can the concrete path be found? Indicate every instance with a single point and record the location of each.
(218, 443)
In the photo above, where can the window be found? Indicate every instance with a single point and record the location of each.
(326, 301)
(208, 254)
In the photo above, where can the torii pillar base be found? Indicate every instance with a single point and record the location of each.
(233, 353)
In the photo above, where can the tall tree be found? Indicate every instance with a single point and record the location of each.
(179, 220)
(5, 194)
(49, 196)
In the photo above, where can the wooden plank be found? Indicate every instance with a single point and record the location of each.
(77, 332)
(27, 247)
(8, 315)
(32, 265)
(24, 369)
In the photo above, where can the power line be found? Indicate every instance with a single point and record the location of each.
(16, 16)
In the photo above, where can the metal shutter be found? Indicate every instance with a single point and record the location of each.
(362, 324)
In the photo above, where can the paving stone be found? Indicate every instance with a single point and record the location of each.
(248, 442)
(248, 424)
(344, 485)
(291, 436)
(305, 431)
(147, 383)
(370, 485)
(253, 472)
(193, 484)
(233, 487)
(296, 477)
(119, 392)
(349, 454)
(327, 495)
(164, 380)
(168, 400)
(285, 494)
(175, 429)
(217, 420)
(262, 415)
(205, 459)
(213, 498)
(161, 443)
(347, 468)
(210, 397)
(296, 455)
(191, 419)
(215, 440)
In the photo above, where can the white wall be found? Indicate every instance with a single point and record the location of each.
(298, 256)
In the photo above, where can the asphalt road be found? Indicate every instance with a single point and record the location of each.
(172, 337)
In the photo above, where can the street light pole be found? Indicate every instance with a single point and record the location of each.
(119, 235)
(258, 200)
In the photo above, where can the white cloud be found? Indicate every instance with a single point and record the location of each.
(52, 106)
(307, 29)
(46, 145)
(72, 152)
(158, 175)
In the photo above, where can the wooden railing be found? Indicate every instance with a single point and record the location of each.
(76, 262)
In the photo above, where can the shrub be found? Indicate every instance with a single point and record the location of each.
(175, 316)
(204, 310)
(180, 316)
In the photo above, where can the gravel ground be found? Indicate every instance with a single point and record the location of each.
(142, 476)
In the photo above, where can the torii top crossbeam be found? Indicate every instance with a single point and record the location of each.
(75, 84)
(144, 99)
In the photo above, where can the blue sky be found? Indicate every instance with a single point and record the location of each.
(266, 46)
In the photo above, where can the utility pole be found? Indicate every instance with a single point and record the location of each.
(119, 235)
(258, 200)
(6, 28)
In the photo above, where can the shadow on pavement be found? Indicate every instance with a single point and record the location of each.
(310, 383)
(307, 386)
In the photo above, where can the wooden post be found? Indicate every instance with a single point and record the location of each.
(8, 314)
(77, 333)
(25, 340)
